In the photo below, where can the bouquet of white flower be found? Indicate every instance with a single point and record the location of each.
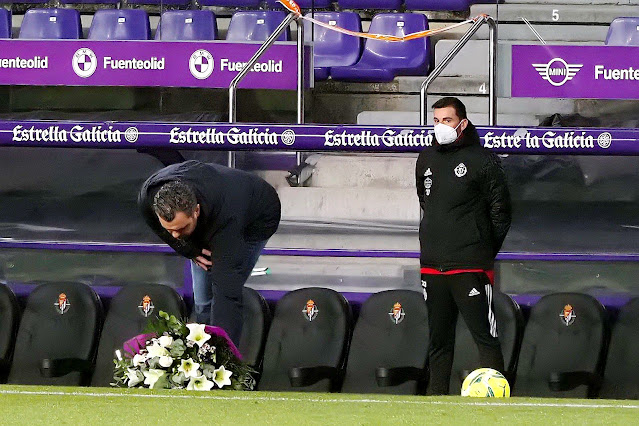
(175, 355)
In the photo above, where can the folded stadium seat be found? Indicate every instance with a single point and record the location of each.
(231, 3)
(5, 23)
(331, 48)
(451, 5)
(257, 318)
(382, 61)
(303, 4)
(58, 336)
(307, 342)
(98, 3)
(51, 24)
(163, 3)
(127, 317)
(120, 24)
(187, 25)
(623, 32)
(256, 25)
(9, 318)
(370, 4)
(621, 378)
(562, 352)
(510, 327)
(389, 348)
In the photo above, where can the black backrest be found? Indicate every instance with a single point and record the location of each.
(621, 378)
(9, 318)
(257, 318)
(127, 318)
(388, 336)
(53, 329)
(294, 341)
(510, 327)
(556, 341)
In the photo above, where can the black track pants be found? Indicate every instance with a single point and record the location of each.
(471, 295)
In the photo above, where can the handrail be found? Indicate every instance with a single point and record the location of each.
(263, 48)
(492, 68)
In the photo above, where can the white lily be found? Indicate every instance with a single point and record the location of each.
(156, 350)
(138, 359)
(199, 383)
(189, 368)
(152, 376)
(197, 334)
(222, 376)
(134, 377)
(165, 341)
(166, 361)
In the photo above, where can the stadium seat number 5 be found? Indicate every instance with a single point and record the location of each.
(555, 15)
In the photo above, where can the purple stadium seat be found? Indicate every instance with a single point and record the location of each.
(384, 60)
(438, 4)
(161, 2)
(5, 23)
(623, 32)
(111, 2)
(120, 24)
(51, 24)
(330, 48)
(232, 3)
(256, 25)
(187, 25)
(370, 4)
(303, 4)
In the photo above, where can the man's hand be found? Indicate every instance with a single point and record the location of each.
(204, 261)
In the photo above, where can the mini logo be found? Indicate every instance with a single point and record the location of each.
(428, 172)
(62, 304)
(604, 140)
(557, 72)
(310, 311)
(146, 306)
(397, 314)
(84, 62)
(568, 315)
(131, 134)
(288, 137)
(460, 170)
(201, 64)
(428, 184)
(473, 292)
(424, 285)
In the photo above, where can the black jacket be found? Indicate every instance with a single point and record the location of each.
(465, 201)
(235, 207)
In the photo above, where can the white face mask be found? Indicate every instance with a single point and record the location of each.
(445, 134)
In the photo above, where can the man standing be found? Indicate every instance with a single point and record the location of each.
(221, 219)
(466, 209)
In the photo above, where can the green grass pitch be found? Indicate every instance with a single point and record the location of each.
(96, 406)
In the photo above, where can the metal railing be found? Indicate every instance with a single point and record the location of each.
(300, 75)
(492, 68)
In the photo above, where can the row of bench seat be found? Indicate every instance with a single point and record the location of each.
(343, 56)
(312, 343)
(394, 5)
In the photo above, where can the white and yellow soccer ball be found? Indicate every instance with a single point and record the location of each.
(486, 383)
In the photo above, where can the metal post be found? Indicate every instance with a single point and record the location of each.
(449, 57)
(300, 79)
(233, 86)
(492, 70)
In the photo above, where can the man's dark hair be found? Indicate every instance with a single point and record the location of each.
(175, 196)
(460, 108)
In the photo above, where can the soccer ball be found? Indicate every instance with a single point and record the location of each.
(486, 383)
